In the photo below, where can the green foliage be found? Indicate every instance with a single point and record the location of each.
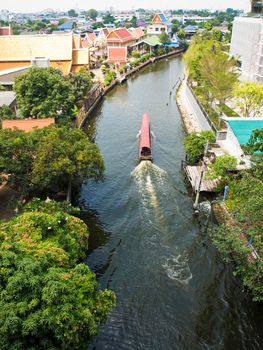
(46, 160)
(47, 301)
(255, 143)
(181, 34)
(109, 77)
(6, 113)
(81, 83)
(164, 38)
(92, 13)
(108, 18)
(135, 54)
(195, 144)
(2, 88)
(217, 35)
(249, 97)
(72, 13)
(229, 112)
(44, 92)
(245, 204)
(221, 167)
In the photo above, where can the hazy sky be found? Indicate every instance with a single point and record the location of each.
(36, 5)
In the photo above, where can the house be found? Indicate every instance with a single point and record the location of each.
(137, 33)
(6, 30)
(120, 37)
(247, 46)
(63, 51)
(159, 25)
(190, 30)
(27, 124)
(141, 23)
(66, 26)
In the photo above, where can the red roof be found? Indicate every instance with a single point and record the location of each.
(5, 31)
(117, 54)
(145, 139)
(120, 35)
(27, 124)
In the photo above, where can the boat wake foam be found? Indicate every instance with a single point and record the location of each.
(177, 269)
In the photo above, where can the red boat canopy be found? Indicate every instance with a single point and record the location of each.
(145, 139)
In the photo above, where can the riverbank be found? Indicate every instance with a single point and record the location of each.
(183, 104)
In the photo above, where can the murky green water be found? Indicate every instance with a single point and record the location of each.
(173, 290)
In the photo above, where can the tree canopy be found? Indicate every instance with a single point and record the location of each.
(6, 113)
(48, 301)
(249, 97)
(46, 160)
(195, 144)
(92, 13)
(164, 38)
(44, 92)
(72, 13)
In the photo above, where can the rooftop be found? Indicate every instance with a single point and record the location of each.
(7, 97)
(243, 128)
(27, 124)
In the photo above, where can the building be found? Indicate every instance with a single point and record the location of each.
(121, 37)
(257, 6)
(66, 26)
(247, 47)
(159, 25)
(190, 30)
(5, 30)
(63, 51)
(27, 124)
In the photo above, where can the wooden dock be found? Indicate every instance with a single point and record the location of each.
(194, 173)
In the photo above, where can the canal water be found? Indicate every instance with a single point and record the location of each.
(173, 290)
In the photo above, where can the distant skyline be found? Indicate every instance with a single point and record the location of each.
(34, 6)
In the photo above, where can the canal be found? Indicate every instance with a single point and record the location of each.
(173, 290)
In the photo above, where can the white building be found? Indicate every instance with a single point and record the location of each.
(159, 25)
(247, 46)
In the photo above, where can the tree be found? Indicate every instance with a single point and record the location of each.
(6, 113)
(164, 38)
(44, 92)
(195, 144)
(175, 25)
(93, 14)
(72, 13)
(208, 26)
(48, 160)
(81, 83)
(108, 18)
(255, 143)
(48, 301)
(217, 35)
(249, 97)
(134, 22)
(218, 73)
(181, 34)
(221, 167)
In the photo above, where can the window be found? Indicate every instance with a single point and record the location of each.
(157, 29)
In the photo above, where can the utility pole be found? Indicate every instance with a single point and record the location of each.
(201, 179)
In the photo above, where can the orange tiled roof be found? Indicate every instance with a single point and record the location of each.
(88, 40)
(120, 35)
(137, 33)
(117, 54)
(27, 124)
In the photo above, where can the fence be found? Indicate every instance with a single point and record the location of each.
(203, 118)
(90, 101)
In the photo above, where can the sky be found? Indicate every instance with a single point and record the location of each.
(38, 5)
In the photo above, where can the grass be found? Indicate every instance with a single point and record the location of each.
(229, 112)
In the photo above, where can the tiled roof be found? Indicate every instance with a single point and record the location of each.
(137, 33)
(120, 35)
(88, 40)
(26, 47)
(27, 124)
(117, 54)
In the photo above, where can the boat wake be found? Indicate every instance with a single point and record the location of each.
(148, 177)
(177, 269)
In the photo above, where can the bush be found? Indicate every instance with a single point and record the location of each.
(135, 54)
(6, 113)
(195, 144)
